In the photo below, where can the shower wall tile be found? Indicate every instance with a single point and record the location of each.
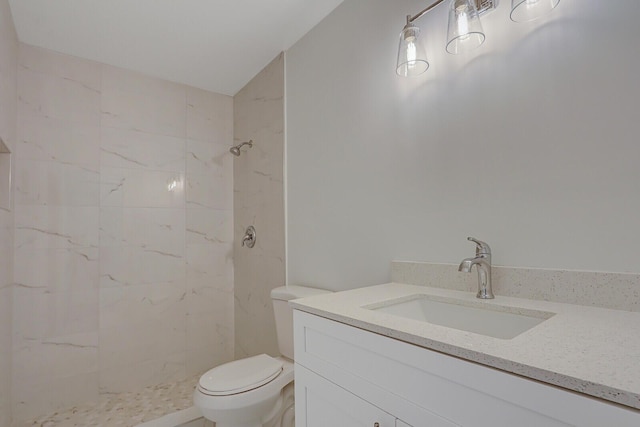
(209, 275)
(8, 108)
(209, 176)
(131, 266)
(47, 139)
(135, 111)
(123, 148)
(5, 349)
(209, 226)
(57, 98)
(59, 358)
(156, 323)
(205, 191)
(63, 97)
(159, 370)
(134, 281)
(159, 230)
(209, 249)
(141, 188)
(39, 315)
(150, 348)
(55, 297)
(136, 102)
(210, 302)
(47, 396)
(210, 347)
(46, 62)
(58, 269)
(39, 226)
(259, 201)
(8, 121)
(206, 158)
(55, 183)
(209, 116)
(119, 79)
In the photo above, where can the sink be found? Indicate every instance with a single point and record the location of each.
(480, 318)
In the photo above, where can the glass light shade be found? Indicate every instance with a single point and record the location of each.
(465, 30)
(528, 10)
(412, 59)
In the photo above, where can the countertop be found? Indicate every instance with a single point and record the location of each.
(589, 350)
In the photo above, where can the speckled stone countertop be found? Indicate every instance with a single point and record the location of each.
(589, 350)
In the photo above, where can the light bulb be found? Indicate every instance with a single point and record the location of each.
(463, 22)
(530, 3)
(412, 54)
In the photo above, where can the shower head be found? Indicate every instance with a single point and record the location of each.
(235, 150)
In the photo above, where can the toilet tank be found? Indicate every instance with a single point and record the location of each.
(284, 314)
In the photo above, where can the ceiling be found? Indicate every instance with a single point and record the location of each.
(218, 45)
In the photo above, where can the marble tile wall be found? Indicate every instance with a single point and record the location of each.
(618, 291)
(123, 232)
(8, 70)
(259, 201)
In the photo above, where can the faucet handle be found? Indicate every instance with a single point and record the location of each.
(482, 248)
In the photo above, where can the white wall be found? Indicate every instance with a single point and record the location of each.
(529, 143)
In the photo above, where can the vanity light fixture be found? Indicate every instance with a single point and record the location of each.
(465, 31)
(528, 10)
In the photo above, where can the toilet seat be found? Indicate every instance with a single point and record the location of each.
(251, 407)
(240, 376)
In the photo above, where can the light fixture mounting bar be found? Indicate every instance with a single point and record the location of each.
(481, 5)
(484, 6)
(423, 12)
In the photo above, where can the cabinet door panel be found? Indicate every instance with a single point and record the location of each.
(320, 403)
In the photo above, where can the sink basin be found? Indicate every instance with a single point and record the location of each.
(480, 318)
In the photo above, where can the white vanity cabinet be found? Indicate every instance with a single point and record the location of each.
(347, 376)
(326, 404)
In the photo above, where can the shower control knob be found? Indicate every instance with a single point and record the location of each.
(249, 239)
(376, 424)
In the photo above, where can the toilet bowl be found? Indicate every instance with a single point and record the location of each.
(256, 391)
(250, 392)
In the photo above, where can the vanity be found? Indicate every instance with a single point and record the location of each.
(370, 357)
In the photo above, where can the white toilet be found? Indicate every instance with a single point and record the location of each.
(256, 391)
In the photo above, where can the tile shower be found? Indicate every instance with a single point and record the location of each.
(123, 232)
(123, 202)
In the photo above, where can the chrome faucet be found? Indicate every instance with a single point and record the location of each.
(482, 261)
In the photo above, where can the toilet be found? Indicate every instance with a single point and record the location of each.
(256, 391)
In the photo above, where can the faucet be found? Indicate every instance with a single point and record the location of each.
(482, 261)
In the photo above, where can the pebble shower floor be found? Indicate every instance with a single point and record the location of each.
(124, 409)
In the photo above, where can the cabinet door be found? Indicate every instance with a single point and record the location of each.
(402, 424)
(320, 403)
